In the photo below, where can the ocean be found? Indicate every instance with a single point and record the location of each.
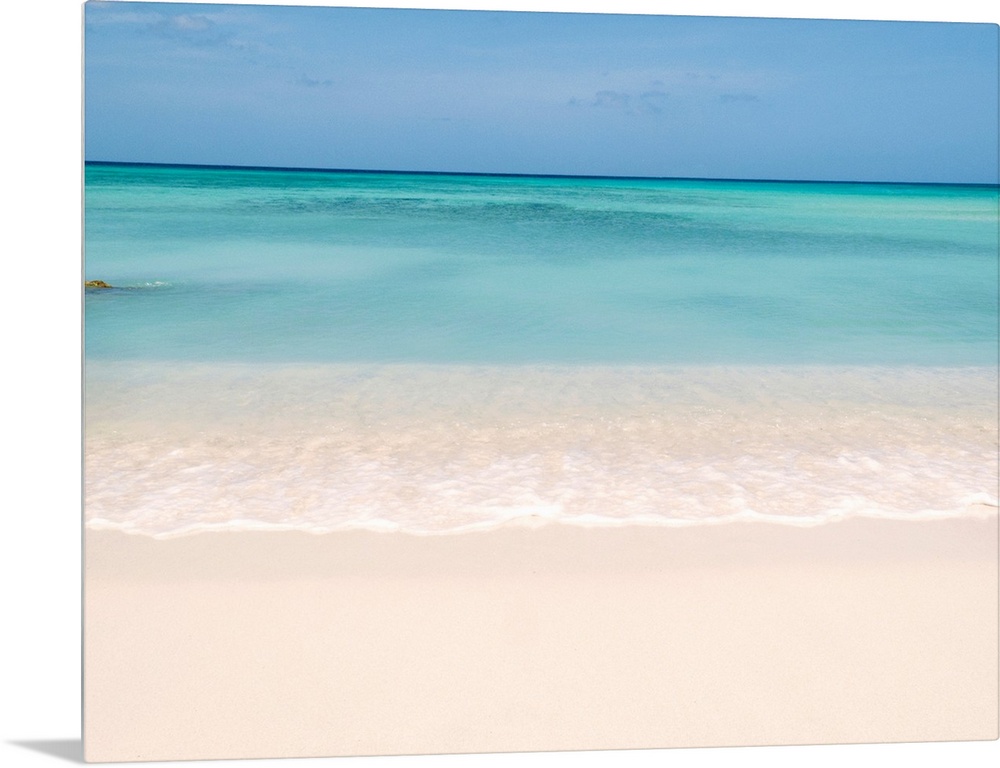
(433, 353)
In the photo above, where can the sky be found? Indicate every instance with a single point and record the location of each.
(545, 93)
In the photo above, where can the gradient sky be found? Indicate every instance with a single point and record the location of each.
(545, 93)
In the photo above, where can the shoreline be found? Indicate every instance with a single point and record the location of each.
(550, 638)
(518, 546)
(976, 509)
(434, 449)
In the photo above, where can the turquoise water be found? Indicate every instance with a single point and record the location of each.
(294, 266)
(433, 354)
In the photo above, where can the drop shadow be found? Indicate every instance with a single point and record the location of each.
(70, 750)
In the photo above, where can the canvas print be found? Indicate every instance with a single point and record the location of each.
(467, 381)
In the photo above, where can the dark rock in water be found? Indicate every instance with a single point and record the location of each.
(96, 284)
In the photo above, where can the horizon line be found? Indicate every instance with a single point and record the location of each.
(310, 169)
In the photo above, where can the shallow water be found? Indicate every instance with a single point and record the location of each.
(274, 266)
(434, 354)
(437, 449)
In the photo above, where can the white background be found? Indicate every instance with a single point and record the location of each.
(40, 386)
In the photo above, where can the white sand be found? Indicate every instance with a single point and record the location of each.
(287, 644)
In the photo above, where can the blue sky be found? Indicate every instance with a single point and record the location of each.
(541, 93)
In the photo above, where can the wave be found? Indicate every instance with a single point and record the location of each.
(437, 450)
(979, 507)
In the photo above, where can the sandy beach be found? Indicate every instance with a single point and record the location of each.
(227, 645)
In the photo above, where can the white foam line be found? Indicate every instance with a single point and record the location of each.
(978, 509)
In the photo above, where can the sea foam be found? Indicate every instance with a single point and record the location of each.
(177, 449)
